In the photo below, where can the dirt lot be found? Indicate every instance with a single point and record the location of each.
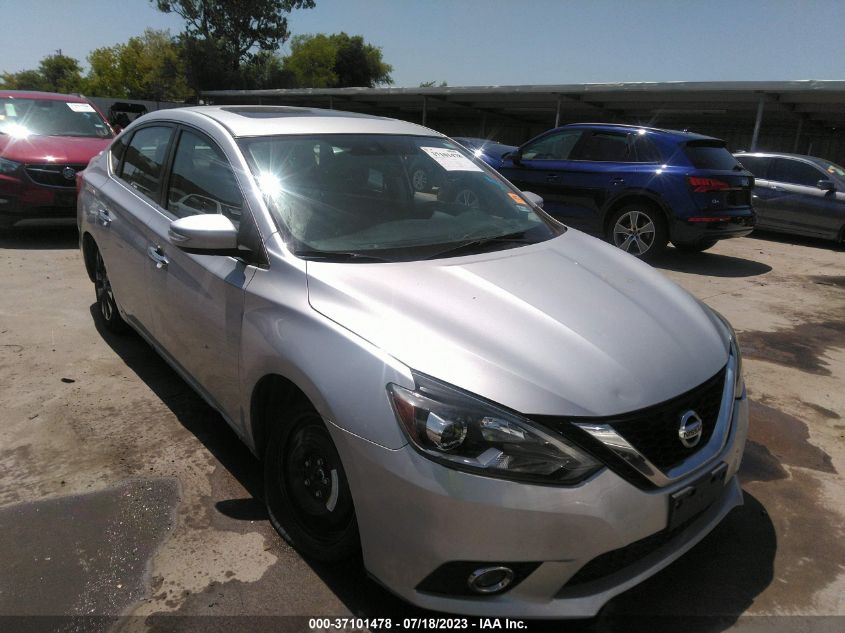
(121, 492)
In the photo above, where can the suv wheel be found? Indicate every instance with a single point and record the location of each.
(106, 304)
(639, 230)
(306, 490)
(694, 247)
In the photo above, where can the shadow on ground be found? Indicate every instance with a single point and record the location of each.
(704, 591)
(784, 238)
(40, 238)
(709, 264)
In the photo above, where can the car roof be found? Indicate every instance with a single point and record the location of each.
(44, 96)
(681, 135)
(778, 155)
(250, 120)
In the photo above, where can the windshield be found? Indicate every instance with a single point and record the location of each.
(42, 117)
(832, 168)
(354, 194)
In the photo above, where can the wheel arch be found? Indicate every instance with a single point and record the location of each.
(272, 393)
(89, 254)
(643, 197)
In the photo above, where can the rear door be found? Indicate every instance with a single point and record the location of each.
(796, 204)
(196, 300)
(124, 206)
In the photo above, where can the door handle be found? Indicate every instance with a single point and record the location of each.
(552, 177)
(617, 181)
(155, 254)
(103, 218)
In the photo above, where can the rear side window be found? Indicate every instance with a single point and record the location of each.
(144, 158)
(709, 155)
(757, 165)
(794, 172)
(604, 146)
(645, 151)
(202, 181)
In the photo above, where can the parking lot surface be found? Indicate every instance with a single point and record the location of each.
(122, 492)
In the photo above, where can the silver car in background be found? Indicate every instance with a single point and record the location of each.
(508, 417)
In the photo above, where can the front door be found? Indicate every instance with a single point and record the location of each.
(197, 300)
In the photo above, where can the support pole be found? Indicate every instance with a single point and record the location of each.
(797, 136)
(483, 131)
(757, 124)
(331, 102)
(424, 109)
(557, 113)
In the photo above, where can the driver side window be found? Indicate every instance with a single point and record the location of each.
(556, 146)
(202, 180)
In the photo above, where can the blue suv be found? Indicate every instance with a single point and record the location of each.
(638, 187)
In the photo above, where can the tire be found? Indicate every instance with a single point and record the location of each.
(306, 489)
(650, 235)
(694, 247)
(466, 196)
(106, 305)
(420, 180)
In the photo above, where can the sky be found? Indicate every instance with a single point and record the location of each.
(502, 42)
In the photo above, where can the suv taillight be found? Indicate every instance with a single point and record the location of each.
(703, 185)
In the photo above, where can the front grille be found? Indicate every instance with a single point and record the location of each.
(654, 431)
(51, 175)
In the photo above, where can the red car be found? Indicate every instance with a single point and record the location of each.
(45, 139)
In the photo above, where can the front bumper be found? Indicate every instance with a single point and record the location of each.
(415, 515)
(25, 203)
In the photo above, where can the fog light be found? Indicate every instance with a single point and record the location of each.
(490, 579)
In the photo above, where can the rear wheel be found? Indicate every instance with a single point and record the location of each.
(694, 247)
(638, 229)
(306, 489)
(106, 304)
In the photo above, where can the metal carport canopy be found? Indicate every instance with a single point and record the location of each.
(820, 103)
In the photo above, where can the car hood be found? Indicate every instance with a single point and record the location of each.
(52, 149)
(571, 326)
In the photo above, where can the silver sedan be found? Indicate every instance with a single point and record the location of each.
(506, 416)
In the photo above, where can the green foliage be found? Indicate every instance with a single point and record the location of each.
(433, 84)
(336, 61)
(147, 67)
(55, 73)
(238, 28)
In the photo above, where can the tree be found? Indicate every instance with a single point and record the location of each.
(55, 73)
(238, 27)
(147, 67)
(336, 61)
(23, 80)
(433, 84)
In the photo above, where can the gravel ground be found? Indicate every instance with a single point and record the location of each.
(122, 492)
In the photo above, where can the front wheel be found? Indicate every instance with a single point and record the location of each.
(694, 247)
(306, 489)
(638, 229)
(106, 304)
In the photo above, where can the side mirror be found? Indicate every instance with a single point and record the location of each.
(205, 232)
(533, 198)
(515, 156)
(826, 185)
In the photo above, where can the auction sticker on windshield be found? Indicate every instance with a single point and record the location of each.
(80, 107)
(450, 159)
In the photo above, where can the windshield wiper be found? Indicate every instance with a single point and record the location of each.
(338, 256)
(517, 238)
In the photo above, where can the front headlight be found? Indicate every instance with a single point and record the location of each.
(739, 383)
(8, 166)
(464, 432)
